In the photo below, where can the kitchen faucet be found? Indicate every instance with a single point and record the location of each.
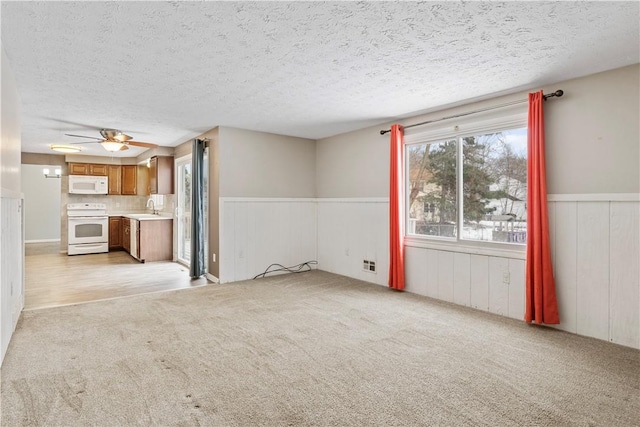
(153, 206)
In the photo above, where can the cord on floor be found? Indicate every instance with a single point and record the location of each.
(294, 269)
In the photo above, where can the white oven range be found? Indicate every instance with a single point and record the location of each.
(88, 228)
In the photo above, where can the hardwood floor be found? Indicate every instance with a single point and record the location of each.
(53, 278)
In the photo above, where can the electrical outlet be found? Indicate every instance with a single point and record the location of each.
(506, 277)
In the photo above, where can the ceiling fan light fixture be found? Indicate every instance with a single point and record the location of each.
(65, 148)
(112, 146)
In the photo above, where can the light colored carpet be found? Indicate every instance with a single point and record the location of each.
(307, 349)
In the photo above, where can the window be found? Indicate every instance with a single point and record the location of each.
(469, 186)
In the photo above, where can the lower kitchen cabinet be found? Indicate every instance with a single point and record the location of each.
(146, 241)
(126, 234)
(115, 233)
(155, 240)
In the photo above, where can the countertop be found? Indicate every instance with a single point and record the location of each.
(142, 215)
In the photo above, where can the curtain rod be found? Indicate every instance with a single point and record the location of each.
(557, 93)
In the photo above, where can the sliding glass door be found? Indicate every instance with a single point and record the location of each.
(183, 209)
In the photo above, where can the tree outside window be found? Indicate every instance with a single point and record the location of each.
(493, 187)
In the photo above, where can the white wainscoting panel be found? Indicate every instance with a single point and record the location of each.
(564, 249)
(596, 256)
(498, 289)
(462, 279)
(479, 273)
(353, 230)
(11, 269)
(445, 276)
(415, 261)
(255, 233)
(432, 273)
(593, 269)
(624, 304)
(516, 288)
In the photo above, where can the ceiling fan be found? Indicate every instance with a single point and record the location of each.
(113, 140)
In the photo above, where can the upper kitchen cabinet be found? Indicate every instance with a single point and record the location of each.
(161, 175)
(87, 169)
(129, 179)
(114, 174)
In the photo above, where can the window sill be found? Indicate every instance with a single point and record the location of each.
(503, 250)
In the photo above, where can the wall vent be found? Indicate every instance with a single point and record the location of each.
(369, 266)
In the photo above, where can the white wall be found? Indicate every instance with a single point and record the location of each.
(11, 230)
(41, 204)
(258, 164)
(593, 157)
(593, 134)
(355, 164)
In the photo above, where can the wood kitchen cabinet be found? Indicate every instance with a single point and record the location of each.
(129, 180)
(115, 233)
(126, 234)
(161, 175)
(114, 173)
(99, 170)
(79, 169)
(87, 169)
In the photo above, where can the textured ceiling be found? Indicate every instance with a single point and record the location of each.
(164, 72)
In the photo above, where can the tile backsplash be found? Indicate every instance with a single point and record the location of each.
(114, 203)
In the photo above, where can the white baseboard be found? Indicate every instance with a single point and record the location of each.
(211, 278)
(42, 241)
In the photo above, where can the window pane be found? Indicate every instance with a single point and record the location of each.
(495, 186)
(432, 189)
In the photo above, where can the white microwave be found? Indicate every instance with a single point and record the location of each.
(83, 184)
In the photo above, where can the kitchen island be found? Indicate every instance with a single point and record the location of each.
(146, 237)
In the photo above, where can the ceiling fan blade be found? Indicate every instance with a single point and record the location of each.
(142, 144)
(83, 136)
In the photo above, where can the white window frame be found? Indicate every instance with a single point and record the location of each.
(455, 129)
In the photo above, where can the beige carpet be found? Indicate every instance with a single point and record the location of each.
(307, 349)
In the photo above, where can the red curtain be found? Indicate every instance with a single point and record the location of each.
(396, 217)
(541, 304)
